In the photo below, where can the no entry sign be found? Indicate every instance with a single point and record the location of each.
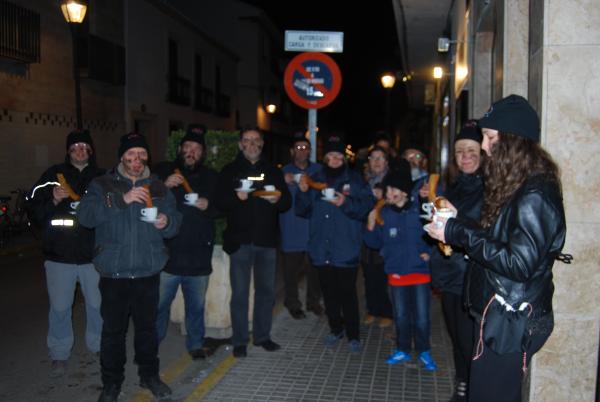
(312, 80)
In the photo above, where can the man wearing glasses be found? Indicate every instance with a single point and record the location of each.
(294, 236)
(68, 249)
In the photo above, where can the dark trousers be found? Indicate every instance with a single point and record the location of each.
(293, 265)
(121, 298)
(461, 329)
(498, 378)
(341, 302)
(376, 290)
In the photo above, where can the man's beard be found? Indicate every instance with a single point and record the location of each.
(184, 162)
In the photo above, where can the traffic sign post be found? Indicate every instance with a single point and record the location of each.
(312, 81)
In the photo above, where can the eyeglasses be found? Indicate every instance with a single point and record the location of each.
(79, 146)
(302, 147)
(415, 156)
(377, 158)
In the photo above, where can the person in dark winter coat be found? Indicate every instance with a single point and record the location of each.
(522, 232)
(68, 248)
(251, 237)
(448, 273)
(132, 212)
(190, 252)
(335, 236)
(405, 253)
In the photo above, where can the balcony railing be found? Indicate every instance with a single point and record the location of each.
(179, 90)
(204, 99)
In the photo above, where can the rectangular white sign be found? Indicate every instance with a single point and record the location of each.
(314, 41)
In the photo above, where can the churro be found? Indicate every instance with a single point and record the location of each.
(149, 199)
(185, 183)
(63, 183)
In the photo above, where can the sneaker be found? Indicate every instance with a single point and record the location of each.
(355, 346)
(332, 339)
(240, 351)
(369, 319)
(201, 353)
(385, 322)
(110, 393)
(268, 345)
(427, 360)
(58, 368)
(398, 357)
(158, 388)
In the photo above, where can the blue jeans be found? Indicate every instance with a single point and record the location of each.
(194, 295)
(61, 280)
(411, 316)
(261, 262)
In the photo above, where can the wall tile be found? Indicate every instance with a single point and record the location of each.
(572, 22)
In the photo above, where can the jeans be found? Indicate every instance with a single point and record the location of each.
(261, 262)
(61, 281)
(293, 264)
(121, 298)
(194, 295)
(411, 316)
(341, 302)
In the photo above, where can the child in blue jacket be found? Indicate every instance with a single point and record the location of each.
(406, 255)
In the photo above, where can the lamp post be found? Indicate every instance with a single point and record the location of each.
(387, 81)
(74, 13)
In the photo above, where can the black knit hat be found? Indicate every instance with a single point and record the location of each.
(132, 140)
(78, 136)
(470, 131)
(195, 132)
(300, 136)
(334, 144)
(382, 136)
(513, 115)
(400, 177)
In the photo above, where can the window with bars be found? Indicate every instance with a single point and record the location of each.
(19, 33)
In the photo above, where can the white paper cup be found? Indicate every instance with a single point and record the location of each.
(297, 177)
(328, 192)
(246, 184)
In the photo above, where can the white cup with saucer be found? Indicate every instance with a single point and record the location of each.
(246, 185)
(149, 214)
(191, 198)
(74, 206)
(328, 193)
(297, 177)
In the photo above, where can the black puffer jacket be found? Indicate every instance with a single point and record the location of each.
(66, 244)
(191, 250)
(514, 256)
(448, 273)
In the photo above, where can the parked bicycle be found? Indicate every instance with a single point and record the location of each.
(15, 221)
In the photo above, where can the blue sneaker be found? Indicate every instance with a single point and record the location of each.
(332, 339)
(427, 360)
(355, 346)
(398, 357)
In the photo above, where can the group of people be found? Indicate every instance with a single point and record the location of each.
(134, 234)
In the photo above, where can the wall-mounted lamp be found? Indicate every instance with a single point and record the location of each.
(388, 80)
(271, 108)
(438, 72)
(444, 44)
(73, 11)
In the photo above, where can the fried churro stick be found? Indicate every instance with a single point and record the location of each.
(314, 184)
(149, 200)
(438, 202)
(63, 183)
(185, 183)
(378, 205)
(265, 193)
(434, 178)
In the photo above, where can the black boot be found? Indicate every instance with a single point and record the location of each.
(110, 393)
(158, 388)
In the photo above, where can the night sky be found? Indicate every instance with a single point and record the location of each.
(370, 48)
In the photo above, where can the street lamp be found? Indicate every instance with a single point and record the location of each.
(74, 13)
(387, 81)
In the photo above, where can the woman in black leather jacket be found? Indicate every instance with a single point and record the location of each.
(448, 273)
(522, 231)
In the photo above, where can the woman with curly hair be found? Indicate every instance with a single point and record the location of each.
(509, 285)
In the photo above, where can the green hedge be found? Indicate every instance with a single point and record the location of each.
(221, 148)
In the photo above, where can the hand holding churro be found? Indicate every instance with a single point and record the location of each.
(184, 182)
(63, 183)
(378, 206)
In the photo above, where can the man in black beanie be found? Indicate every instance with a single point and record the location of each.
(132, 212)
(189, 265)
(68, 249)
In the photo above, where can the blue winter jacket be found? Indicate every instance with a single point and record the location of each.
(335, 233)
(294, 228)
(127, 247)
(400, 241)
